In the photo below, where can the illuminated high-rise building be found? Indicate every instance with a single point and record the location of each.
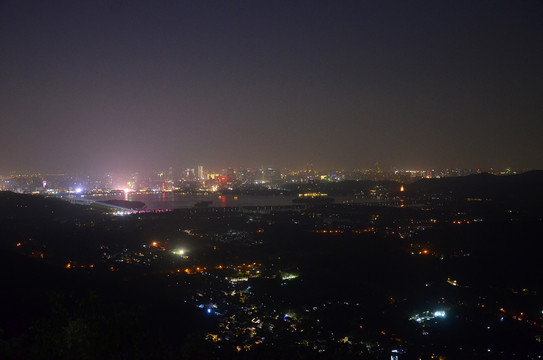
(200, 172)
(189, 174)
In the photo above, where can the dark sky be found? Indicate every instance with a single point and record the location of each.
(139, 85)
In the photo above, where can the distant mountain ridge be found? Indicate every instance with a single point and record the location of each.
(487, 186)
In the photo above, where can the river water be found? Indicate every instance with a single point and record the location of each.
(170, 201)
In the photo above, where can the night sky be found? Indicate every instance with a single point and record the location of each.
(138, 85)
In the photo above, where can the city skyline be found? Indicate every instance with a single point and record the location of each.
(181, 172)
(201, 180)
(136, 86)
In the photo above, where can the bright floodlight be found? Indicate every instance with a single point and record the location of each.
(179, 252)
(78, 190)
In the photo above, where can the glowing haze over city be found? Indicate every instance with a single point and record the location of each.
(124, 86)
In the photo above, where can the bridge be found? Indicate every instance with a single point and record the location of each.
(84, 201)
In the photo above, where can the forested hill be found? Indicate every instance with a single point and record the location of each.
(527, 186)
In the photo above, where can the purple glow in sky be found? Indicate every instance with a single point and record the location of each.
(138, 85)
